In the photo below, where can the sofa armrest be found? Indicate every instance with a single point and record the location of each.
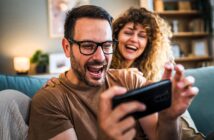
(201, 109)
(25, 84)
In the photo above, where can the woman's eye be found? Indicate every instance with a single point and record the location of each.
(128, 33)
(142, 35)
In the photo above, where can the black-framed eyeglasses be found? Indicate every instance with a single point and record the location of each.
(89, 47)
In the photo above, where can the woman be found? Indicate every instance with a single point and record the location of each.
(143, 42)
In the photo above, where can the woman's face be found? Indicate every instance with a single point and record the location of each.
(132, 41)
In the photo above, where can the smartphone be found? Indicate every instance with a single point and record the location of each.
(156, 96)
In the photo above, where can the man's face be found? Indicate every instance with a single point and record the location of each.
(91, 68)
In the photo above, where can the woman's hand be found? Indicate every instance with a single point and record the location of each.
(52, 82)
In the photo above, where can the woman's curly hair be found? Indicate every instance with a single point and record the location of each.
(158, 49)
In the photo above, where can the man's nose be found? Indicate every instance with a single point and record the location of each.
(99, 54)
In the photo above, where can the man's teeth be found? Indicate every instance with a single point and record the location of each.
(95, 68)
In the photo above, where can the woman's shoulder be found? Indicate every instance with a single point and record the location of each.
(130, 77)
(125, 72)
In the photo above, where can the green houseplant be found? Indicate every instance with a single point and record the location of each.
(41, 60)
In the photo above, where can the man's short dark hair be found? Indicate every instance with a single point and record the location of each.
(88, 11)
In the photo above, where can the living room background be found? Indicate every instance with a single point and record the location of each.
(24, 28)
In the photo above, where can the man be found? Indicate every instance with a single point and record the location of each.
(79, 107)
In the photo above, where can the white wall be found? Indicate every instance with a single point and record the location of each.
(24, 28)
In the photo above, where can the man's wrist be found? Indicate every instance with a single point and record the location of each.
(171, 126)
(102, 135)
(168, 115)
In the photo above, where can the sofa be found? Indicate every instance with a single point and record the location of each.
(201, 109)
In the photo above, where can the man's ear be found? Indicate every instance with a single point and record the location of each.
(66, 47)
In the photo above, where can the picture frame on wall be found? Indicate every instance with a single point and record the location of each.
(57, 10)
(200, 47)
(58, 63)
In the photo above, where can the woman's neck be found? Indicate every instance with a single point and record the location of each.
(128, 63)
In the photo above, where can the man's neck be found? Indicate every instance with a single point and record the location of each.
(72, 77)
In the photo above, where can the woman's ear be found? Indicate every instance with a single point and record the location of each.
(66, 47)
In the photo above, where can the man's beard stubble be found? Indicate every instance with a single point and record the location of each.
(82, 75)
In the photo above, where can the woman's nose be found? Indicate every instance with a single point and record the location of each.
(134, 38)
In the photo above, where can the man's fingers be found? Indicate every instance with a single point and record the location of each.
(186, 82)
(179, 72)
(105, 102)
(167, 71)
(126, 108)
(189, 95)
(126, 124)
(129, 135)
(190, 92)
(111, 120)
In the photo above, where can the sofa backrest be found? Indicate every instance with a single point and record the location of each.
(26, 84)
(202, 107)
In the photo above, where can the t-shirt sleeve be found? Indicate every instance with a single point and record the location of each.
(189, 133)
(48, 115)
(134, 79)
(130, 78)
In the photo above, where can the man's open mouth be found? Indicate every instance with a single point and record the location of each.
(95, 71)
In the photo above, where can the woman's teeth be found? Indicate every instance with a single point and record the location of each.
(131, 47)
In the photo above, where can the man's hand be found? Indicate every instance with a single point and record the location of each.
(183, 92)
(112, 123)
